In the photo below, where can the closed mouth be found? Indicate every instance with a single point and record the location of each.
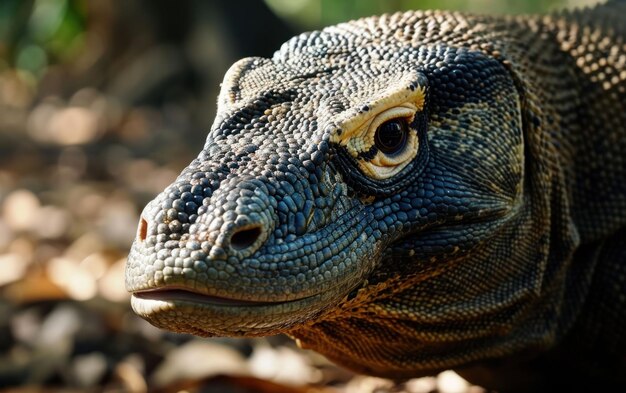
(186, 311)
(184, 295)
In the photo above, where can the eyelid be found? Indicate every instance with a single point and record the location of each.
(353, 123)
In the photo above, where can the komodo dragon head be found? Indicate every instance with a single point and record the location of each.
(361, 191)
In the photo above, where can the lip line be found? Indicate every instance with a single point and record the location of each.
(169, 294)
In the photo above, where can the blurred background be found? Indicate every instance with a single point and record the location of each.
(102, 103)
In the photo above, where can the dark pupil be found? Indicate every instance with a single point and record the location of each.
(391, 136)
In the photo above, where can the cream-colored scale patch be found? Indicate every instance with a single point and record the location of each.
(356, 131)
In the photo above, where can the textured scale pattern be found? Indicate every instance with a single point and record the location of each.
(497, 249)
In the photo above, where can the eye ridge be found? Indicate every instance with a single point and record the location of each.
(391, 136)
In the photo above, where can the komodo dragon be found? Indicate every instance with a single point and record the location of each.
(411, 193)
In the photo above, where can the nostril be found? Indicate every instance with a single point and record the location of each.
(142, 231)
(244, 238)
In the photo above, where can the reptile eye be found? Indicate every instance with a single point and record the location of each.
(391, 136)
(384, 144)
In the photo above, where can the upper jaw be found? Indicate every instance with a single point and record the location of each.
(279, 271)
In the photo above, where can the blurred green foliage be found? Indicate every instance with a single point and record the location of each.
(37, 33)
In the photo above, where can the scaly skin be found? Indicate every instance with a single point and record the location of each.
(486, 234)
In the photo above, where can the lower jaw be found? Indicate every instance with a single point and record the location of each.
(206, 318)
